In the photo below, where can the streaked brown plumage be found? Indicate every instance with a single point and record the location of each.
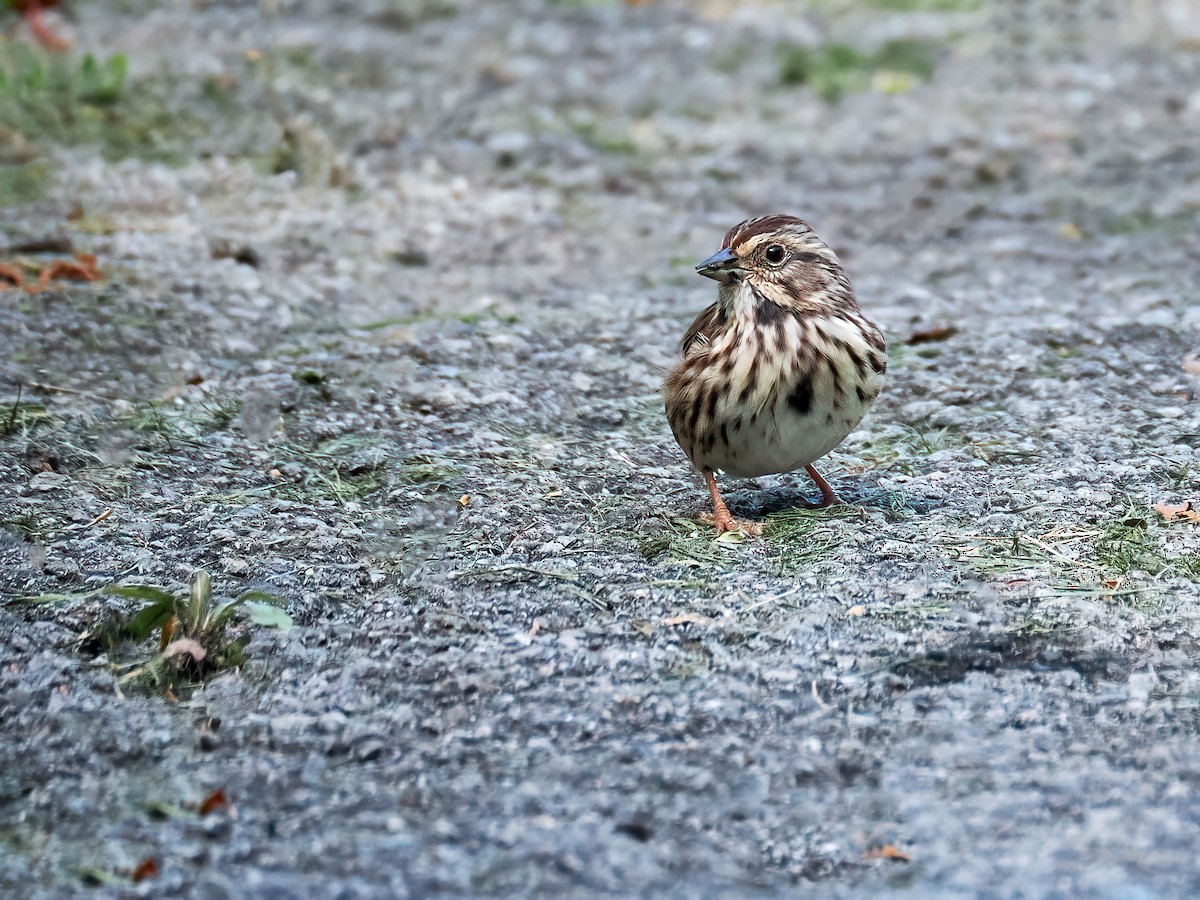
(781, 368)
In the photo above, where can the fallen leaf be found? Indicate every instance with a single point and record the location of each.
(147, 868)
(185, 645)
(268, 615)
(888, 851)
(464, 501)
(214, 801)
(930, 335)
(687, 619)
(1111, 584)
(1188, 511)
(1191, 365)
(642, 627)
(11, 276)
(857, 610)
(82, 268)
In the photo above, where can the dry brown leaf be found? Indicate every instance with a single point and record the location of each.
(888, 851)
(857, 610)
(687, 618)
(11, 276)
(1191, 365)
(930, 335)
(147, 868)
(82, 268)
(214, 801)
(168, 632)
(1188, 511)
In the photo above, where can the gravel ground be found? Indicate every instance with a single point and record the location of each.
(390, 291)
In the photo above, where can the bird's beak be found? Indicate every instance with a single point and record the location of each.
(719, 266)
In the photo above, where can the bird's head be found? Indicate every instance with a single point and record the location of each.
(781, 259)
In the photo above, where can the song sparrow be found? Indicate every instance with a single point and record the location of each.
(781, 368)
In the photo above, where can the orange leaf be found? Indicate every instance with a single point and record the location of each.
(1188, 511)
(11, 276)
(888, 851)
(214, 801)
(82, 268)
(147, 868)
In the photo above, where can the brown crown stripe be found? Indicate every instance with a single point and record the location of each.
(743, 231)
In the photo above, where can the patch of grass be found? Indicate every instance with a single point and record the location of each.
(171, 424)
(151, 419)
(834, 70)
(45, 524)
(684, 542)
(424, 468)
(898, 449)
(1130, 544)
(194, 643)
(799, 538)
(606, 141)
(1101, 560)
(793, 539)
(49, 98)
(340, 469)
(193, 632)
(1125, 545)
(23, 418)
(1142, 220)
(23, 183)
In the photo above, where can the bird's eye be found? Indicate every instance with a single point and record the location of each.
(775, 254)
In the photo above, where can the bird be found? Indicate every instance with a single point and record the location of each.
(775, 373)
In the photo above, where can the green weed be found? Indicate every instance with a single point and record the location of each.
(835, 70)
(799, 538)
(62, 100)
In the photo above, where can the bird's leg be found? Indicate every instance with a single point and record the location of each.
(828, 496)
(721, 517)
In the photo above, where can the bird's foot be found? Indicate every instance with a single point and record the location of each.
(729, 523)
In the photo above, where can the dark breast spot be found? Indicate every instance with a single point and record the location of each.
(768, 313)
(801, 397)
